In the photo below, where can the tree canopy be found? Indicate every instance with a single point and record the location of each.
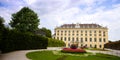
(25, 20)
(1, 22)
(44, 31)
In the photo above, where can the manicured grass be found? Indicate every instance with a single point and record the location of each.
(48, 55)
(96, 49)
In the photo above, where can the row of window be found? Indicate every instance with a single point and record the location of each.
(91, 46)
(81, 39)
(83, 34)
(86, 31)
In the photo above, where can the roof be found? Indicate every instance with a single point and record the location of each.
(81, 26)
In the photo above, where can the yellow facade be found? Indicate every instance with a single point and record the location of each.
(90, 36)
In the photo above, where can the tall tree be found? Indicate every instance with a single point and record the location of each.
(25, 20)
(1, 28)
(44, 31)
(1, 23)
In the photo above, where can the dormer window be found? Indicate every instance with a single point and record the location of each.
(77, 25)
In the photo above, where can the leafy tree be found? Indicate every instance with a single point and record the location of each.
(44, 31)
(1, 29)
(1, 22)
(25, 20)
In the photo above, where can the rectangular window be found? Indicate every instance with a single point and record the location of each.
(100, 40)
(104, 40)
(86, 39)
(73, 39)
(90, 34)
(81, 39)
(69, 39)
(95, 39)
(57, 33)
(64, 38)
(104, 33)
(90, 39)
(99, 34)
(61, 38)
(76, 39)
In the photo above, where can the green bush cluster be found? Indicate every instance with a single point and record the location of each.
(12, 40)
(55, 43)
(113, 45)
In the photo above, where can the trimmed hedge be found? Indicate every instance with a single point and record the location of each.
(55, 43)
(12, 41)
(113, 45)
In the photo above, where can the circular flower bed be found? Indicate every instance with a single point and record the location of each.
(70, 50)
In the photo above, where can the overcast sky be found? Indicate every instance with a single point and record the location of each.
(54, 13)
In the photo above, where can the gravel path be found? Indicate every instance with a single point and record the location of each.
(16, 55)
(21, 55)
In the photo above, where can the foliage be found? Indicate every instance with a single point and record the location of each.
(44, 32)
(1, 22)
(69, 50)
(1, 28)
(74, 46)
(48, 55)
(113, 45)
(55, 43)
(25, 20)
(13, 40)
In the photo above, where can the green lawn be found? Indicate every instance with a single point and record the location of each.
(49, 55)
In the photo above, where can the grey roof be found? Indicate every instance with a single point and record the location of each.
(81, 26)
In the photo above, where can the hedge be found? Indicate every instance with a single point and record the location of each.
(12, 41)
(55, 43)
(113, 45)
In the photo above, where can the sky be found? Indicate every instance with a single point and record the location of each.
(53, 13)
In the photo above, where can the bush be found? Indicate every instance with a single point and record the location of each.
(113, 45)
(55, 43)
(13, 40)
(69, 50)
(74, 46)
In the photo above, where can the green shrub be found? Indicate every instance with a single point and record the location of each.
(113, 45)
(13, 40)
(55, 43)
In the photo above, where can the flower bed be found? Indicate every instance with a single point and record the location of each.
(69, 50)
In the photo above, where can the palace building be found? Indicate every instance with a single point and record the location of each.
(89, 35)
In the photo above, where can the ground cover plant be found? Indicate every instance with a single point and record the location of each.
(50, 55)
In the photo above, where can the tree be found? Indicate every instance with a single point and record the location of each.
(25, 20)
(44, 31)
(1, 29)
(1, 23)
